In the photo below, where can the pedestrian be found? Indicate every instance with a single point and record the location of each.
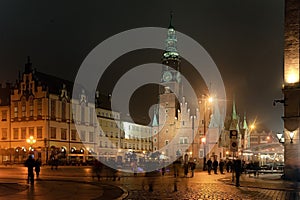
(30, 164)
(221, 166)
(215, 166)
(97, 168)
(176, 166)
(54, 162)
(186, 169)
(238, 170)
(209, 165)
(163, 171)
(229, 166)
(192, 166)
(37, 168)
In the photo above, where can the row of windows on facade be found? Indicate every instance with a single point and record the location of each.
(53, 109)
(63, 115)
(53, 106)
(130, 127)
(260, 139)
(39, 134)
(108, 115)
(125, 146)
(182, 140)
(53, 134)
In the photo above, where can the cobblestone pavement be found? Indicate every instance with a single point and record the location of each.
(204, 186)
(76, 183)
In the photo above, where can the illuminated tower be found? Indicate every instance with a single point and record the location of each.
(291, 90)
(171, 77)
(170, 92)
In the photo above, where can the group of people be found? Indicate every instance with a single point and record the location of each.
(191, 165)
(213, 165)
(31, 165)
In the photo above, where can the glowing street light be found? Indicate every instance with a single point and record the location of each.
(280, 137)
(291, 134)
(31, 140)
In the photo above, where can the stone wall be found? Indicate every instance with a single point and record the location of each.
(291, 49)
(292, 91)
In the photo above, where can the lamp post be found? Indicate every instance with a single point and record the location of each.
(291, 134)
(31, 140)
(193, 134)
(280, 137)
(203, 141)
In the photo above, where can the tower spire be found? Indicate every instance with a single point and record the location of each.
(171, 17)
(234, 125)
(245, 125)
(28, 66)
(234, 116)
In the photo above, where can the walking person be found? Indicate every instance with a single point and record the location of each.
(186, 169)
(215, 166)
(176, 166)
(30, 164)
(209, 165)
(221, 166)
(37, 168)
(238, 170)
(97, 168)
(229, 166)
(192, 166)
(163, 171)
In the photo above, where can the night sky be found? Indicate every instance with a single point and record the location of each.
(244, 38)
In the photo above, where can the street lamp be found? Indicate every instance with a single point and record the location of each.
(203, 141)
(31, 140)
(291, 134)
(280, 137)
(193, 133)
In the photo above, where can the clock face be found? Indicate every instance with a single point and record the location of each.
(234, 133)
(167, 76)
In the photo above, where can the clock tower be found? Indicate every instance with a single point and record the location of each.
(171, 77)
(170, 93)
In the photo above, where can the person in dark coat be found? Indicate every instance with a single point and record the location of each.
(221, 166)
(176, 167)
(238, 170)
(229, 166)
(186, 169)
(30, 164)
(37, 169)
(192, 166)
(209, 165)
(215, 166)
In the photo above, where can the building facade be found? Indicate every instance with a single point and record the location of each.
(291, 90)
(37, 117)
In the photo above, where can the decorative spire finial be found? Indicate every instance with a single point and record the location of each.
(28, 66)
(171, 17)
